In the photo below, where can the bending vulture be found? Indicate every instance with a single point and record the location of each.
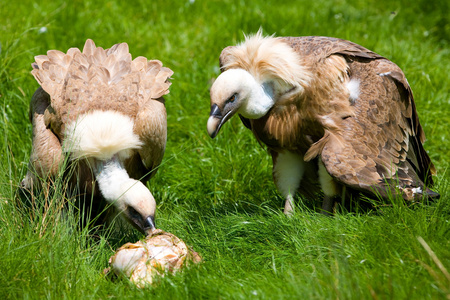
(333, 115)
(105, 113)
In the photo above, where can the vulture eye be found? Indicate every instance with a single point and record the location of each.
(232, 98)
(134, 216)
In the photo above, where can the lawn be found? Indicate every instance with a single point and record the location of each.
(218, 195)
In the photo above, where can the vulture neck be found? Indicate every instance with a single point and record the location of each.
(112, 178)
(259, 99)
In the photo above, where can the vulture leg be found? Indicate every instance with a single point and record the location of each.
(328, 205)
(330, 189)
(288, 169)
(289, 205)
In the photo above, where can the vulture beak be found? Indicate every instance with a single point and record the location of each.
(149, 225)
(216, 120)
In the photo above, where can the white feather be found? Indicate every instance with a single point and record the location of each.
(327, 183)
(288, 172)
(417, 190)
(101, 134)
(283, 62)
(118, 188)
(353, 89)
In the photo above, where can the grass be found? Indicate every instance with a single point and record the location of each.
(218, 195)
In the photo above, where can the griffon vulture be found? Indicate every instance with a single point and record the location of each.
(104, 112)
(332, 114)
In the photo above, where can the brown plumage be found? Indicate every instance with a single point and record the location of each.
(332, 114)
(105, 112)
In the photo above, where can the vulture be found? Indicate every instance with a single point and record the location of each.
(337, 118)
(103, 113)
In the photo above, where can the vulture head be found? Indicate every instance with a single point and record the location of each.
(256, 75)
(139, 207)
(237, 91)
(129, 196)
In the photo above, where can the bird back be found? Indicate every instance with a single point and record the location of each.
(97, 79)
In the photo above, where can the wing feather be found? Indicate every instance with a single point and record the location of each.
(380, 146)
(372, 152)
(46, 154)
(151, 126)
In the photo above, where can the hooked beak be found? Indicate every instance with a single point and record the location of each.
(149, 225)
(216, 120)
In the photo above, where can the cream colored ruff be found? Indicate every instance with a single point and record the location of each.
(267, 59)
(101, 135)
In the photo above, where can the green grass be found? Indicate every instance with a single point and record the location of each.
(218, 195)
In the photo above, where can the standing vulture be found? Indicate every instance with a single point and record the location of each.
(105, 113)
(332, 114)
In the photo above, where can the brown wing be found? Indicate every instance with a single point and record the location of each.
(380, 147)
(382, 142)
(151, 126)
(46, 155)
(151, 119)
